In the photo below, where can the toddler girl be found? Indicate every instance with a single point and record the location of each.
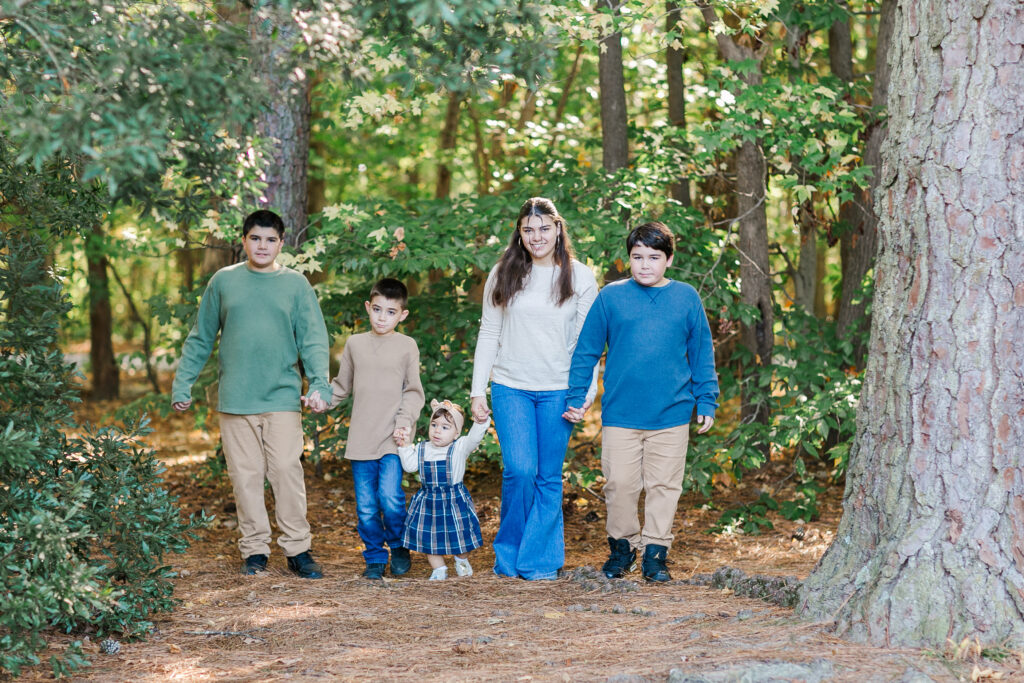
(442, 518)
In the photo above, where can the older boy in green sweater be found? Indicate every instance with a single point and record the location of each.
(268, 317)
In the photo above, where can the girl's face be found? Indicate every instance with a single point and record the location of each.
(441, 432)
(539, 235)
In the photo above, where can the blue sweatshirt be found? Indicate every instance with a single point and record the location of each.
(660, 358)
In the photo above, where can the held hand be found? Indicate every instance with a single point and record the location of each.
(478, 407)
(181, 406)
(401, 436)
(314, 402)
(705, 421)
(574, 415)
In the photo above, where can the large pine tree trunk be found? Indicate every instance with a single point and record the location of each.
(859, 239)
(931, 543)
(285, 121)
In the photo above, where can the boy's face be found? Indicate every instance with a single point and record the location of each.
(262, 245)
(648, 265)
(441, 432)
(385, 314)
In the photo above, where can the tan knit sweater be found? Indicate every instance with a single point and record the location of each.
(382, 374)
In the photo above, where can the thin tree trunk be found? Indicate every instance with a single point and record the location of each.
(481, 159)
(105, 377)
(147, 338)
(446, 144)
(563, 100)
(679, 190)
(614, 123)
(859, 238)
(930, 548)
(805, 278)
(755, 276)
(285, 121)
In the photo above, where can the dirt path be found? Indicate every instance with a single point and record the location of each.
(482, 628)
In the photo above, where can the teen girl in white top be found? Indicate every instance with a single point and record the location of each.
(535, 301)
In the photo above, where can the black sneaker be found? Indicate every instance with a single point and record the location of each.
(305, 566)
(400, 561)
(254, 564)
(653, 566)
(374, 570)
(621, 560)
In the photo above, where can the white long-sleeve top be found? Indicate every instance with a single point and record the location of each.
(464, 445)
(528, 343)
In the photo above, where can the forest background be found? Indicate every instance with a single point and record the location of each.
(398, 139)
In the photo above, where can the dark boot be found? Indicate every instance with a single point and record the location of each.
(621, 560)
(653, 566)
(400, 561)
(255, 564)
(374, 570)
(304, 566)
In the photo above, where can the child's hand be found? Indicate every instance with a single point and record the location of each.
(705, 421)
(181, 406)
(401, 436)
(574, 414)
(314, 402)
(478, 406)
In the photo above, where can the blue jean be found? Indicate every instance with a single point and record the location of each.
(380, 505)
(530, 542)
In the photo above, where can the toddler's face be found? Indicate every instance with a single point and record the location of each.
(441, 432)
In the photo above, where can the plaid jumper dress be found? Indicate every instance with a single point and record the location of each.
(442, 518)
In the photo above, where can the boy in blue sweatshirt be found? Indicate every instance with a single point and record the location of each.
(660, 365)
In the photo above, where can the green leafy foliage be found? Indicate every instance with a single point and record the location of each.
(84, 522)
(750, 518)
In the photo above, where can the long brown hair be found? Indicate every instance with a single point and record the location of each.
(515, 264)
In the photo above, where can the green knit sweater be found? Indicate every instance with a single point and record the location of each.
(267, 322)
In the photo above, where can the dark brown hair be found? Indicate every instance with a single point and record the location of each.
(515, 264)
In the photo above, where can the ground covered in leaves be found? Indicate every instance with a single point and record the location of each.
(699, 627)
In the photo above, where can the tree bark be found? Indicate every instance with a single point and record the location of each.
(105, 377)
(679, 190)
(859, 238)
(805, 278)
(446, 143)
(285, 121)
(614, 123)
(931, 544)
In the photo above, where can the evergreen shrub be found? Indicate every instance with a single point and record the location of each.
(84, 522)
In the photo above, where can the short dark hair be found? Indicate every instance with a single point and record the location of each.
(391, 289)
(263, 219)
(653, 235)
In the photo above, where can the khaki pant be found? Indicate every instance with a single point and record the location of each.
(648, 460)
(267, 446)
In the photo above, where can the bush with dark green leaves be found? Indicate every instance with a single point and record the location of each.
(85, 524)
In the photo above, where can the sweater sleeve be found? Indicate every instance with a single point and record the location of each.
(491, 321)
(701, 354)
(341, 386)
(589, 347)
(410, 459)
(412, 392)
(587, 288)
(198, 344)
(465, 446)
(313, 342)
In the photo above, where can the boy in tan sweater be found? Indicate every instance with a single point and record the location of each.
(380, 369)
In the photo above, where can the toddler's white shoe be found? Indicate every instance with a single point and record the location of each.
(439, 574)
(463, 567)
